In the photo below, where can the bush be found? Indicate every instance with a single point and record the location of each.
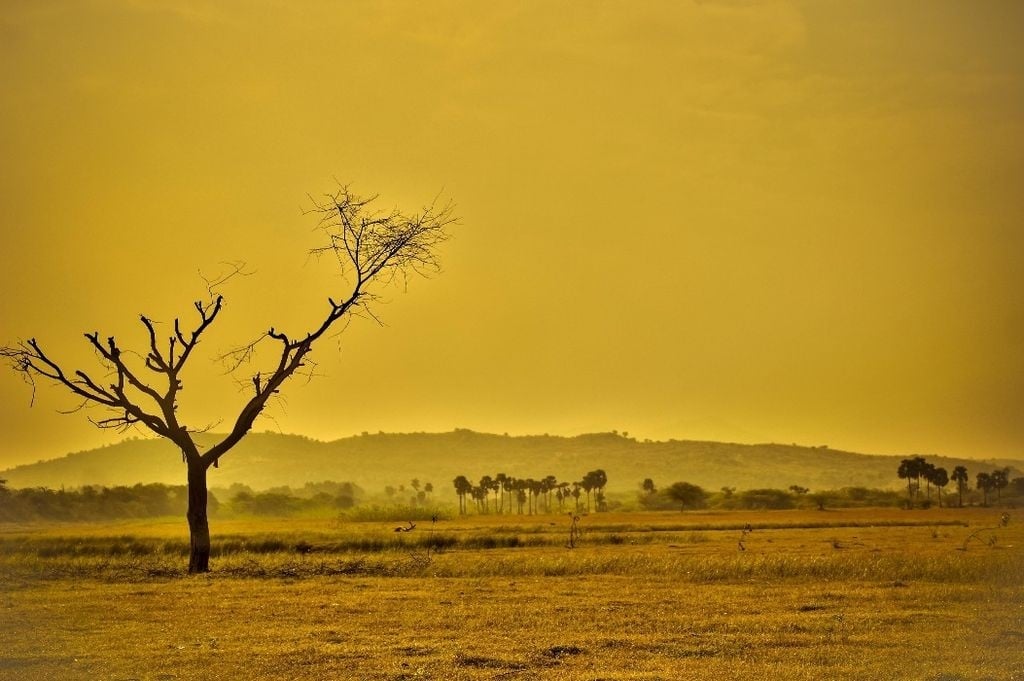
(765, 499)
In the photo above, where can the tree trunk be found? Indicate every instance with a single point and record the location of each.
(198, 525)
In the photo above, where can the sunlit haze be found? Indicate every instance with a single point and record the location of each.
(741, 221)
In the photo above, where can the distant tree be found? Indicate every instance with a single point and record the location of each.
(962, 480)
(594, 480)
(910, 470)
(415, 484)
(985, 484)
(486, 482)
(390, 491)
(727, 492)
(939, 478)
(428, 488)
(501, 479)
(820, 499)
(550, 484)
(648, 486)
(765, 499)
(798, 490)
(536, 488)
(563, 494)
(1000, 480)
(463, 487)
(142, 388)
(576, 494)
(1018, 485)
(928, 473)
(508, 485)
(601, 481)
(687, 495)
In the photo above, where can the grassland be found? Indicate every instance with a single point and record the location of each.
(855, 594)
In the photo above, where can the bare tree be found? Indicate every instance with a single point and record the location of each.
(372, 247)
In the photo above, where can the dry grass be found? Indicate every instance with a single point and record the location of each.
(841, 595)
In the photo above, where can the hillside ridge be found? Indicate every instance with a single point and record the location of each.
(373, 461)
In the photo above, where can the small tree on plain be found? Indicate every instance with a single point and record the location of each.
(372, 247)
(686, 495)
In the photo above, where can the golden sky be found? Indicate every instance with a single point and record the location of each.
(745, 221)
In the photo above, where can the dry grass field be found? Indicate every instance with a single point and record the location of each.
(857, 594)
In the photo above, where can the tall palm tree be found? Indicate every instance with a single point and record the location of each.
(501, 479)
(940, 478)
(485, 484)
(509, 486)
(588, 486)
(928, 473)
(1000, 479)
(496, 488)
(563, 489)
(984, 483)
(462, 488)
(910, 470)
(550, 483)
(961, 478)
(600, 481)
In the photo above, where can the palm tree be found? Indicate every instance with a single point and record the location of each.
(940, 478)
(984, 483)
(600, 480)
(509, 486)
(910, 470)
(588, 486)
(961, 478)
(928, 473)
(563, 492)
(485, 484)
(462, 488)
(501, 479)
(536, 489)
(550, 483)
(1000, 479)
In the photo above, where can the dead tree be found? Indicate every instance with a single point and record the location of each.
(372, 247)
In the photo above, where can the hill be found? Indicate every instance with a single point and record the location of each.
(264, 460)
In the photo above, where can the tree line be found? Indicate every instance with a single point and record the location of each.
(917, 469)
(421, 496)
(94, 502)
(528, 496)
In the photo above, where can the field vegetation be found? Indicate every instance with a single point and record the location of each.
(798, 594)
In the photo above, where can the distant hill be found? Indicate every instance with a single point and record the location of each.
(264, 460)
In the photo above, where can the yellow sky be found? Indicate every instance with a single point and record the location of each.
(746, 221)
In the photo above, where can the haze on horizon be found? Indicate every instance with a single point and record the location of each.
(751, 222)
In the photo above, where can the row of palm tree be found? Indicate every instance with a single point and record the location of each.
(530, 495)
(917, 468)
